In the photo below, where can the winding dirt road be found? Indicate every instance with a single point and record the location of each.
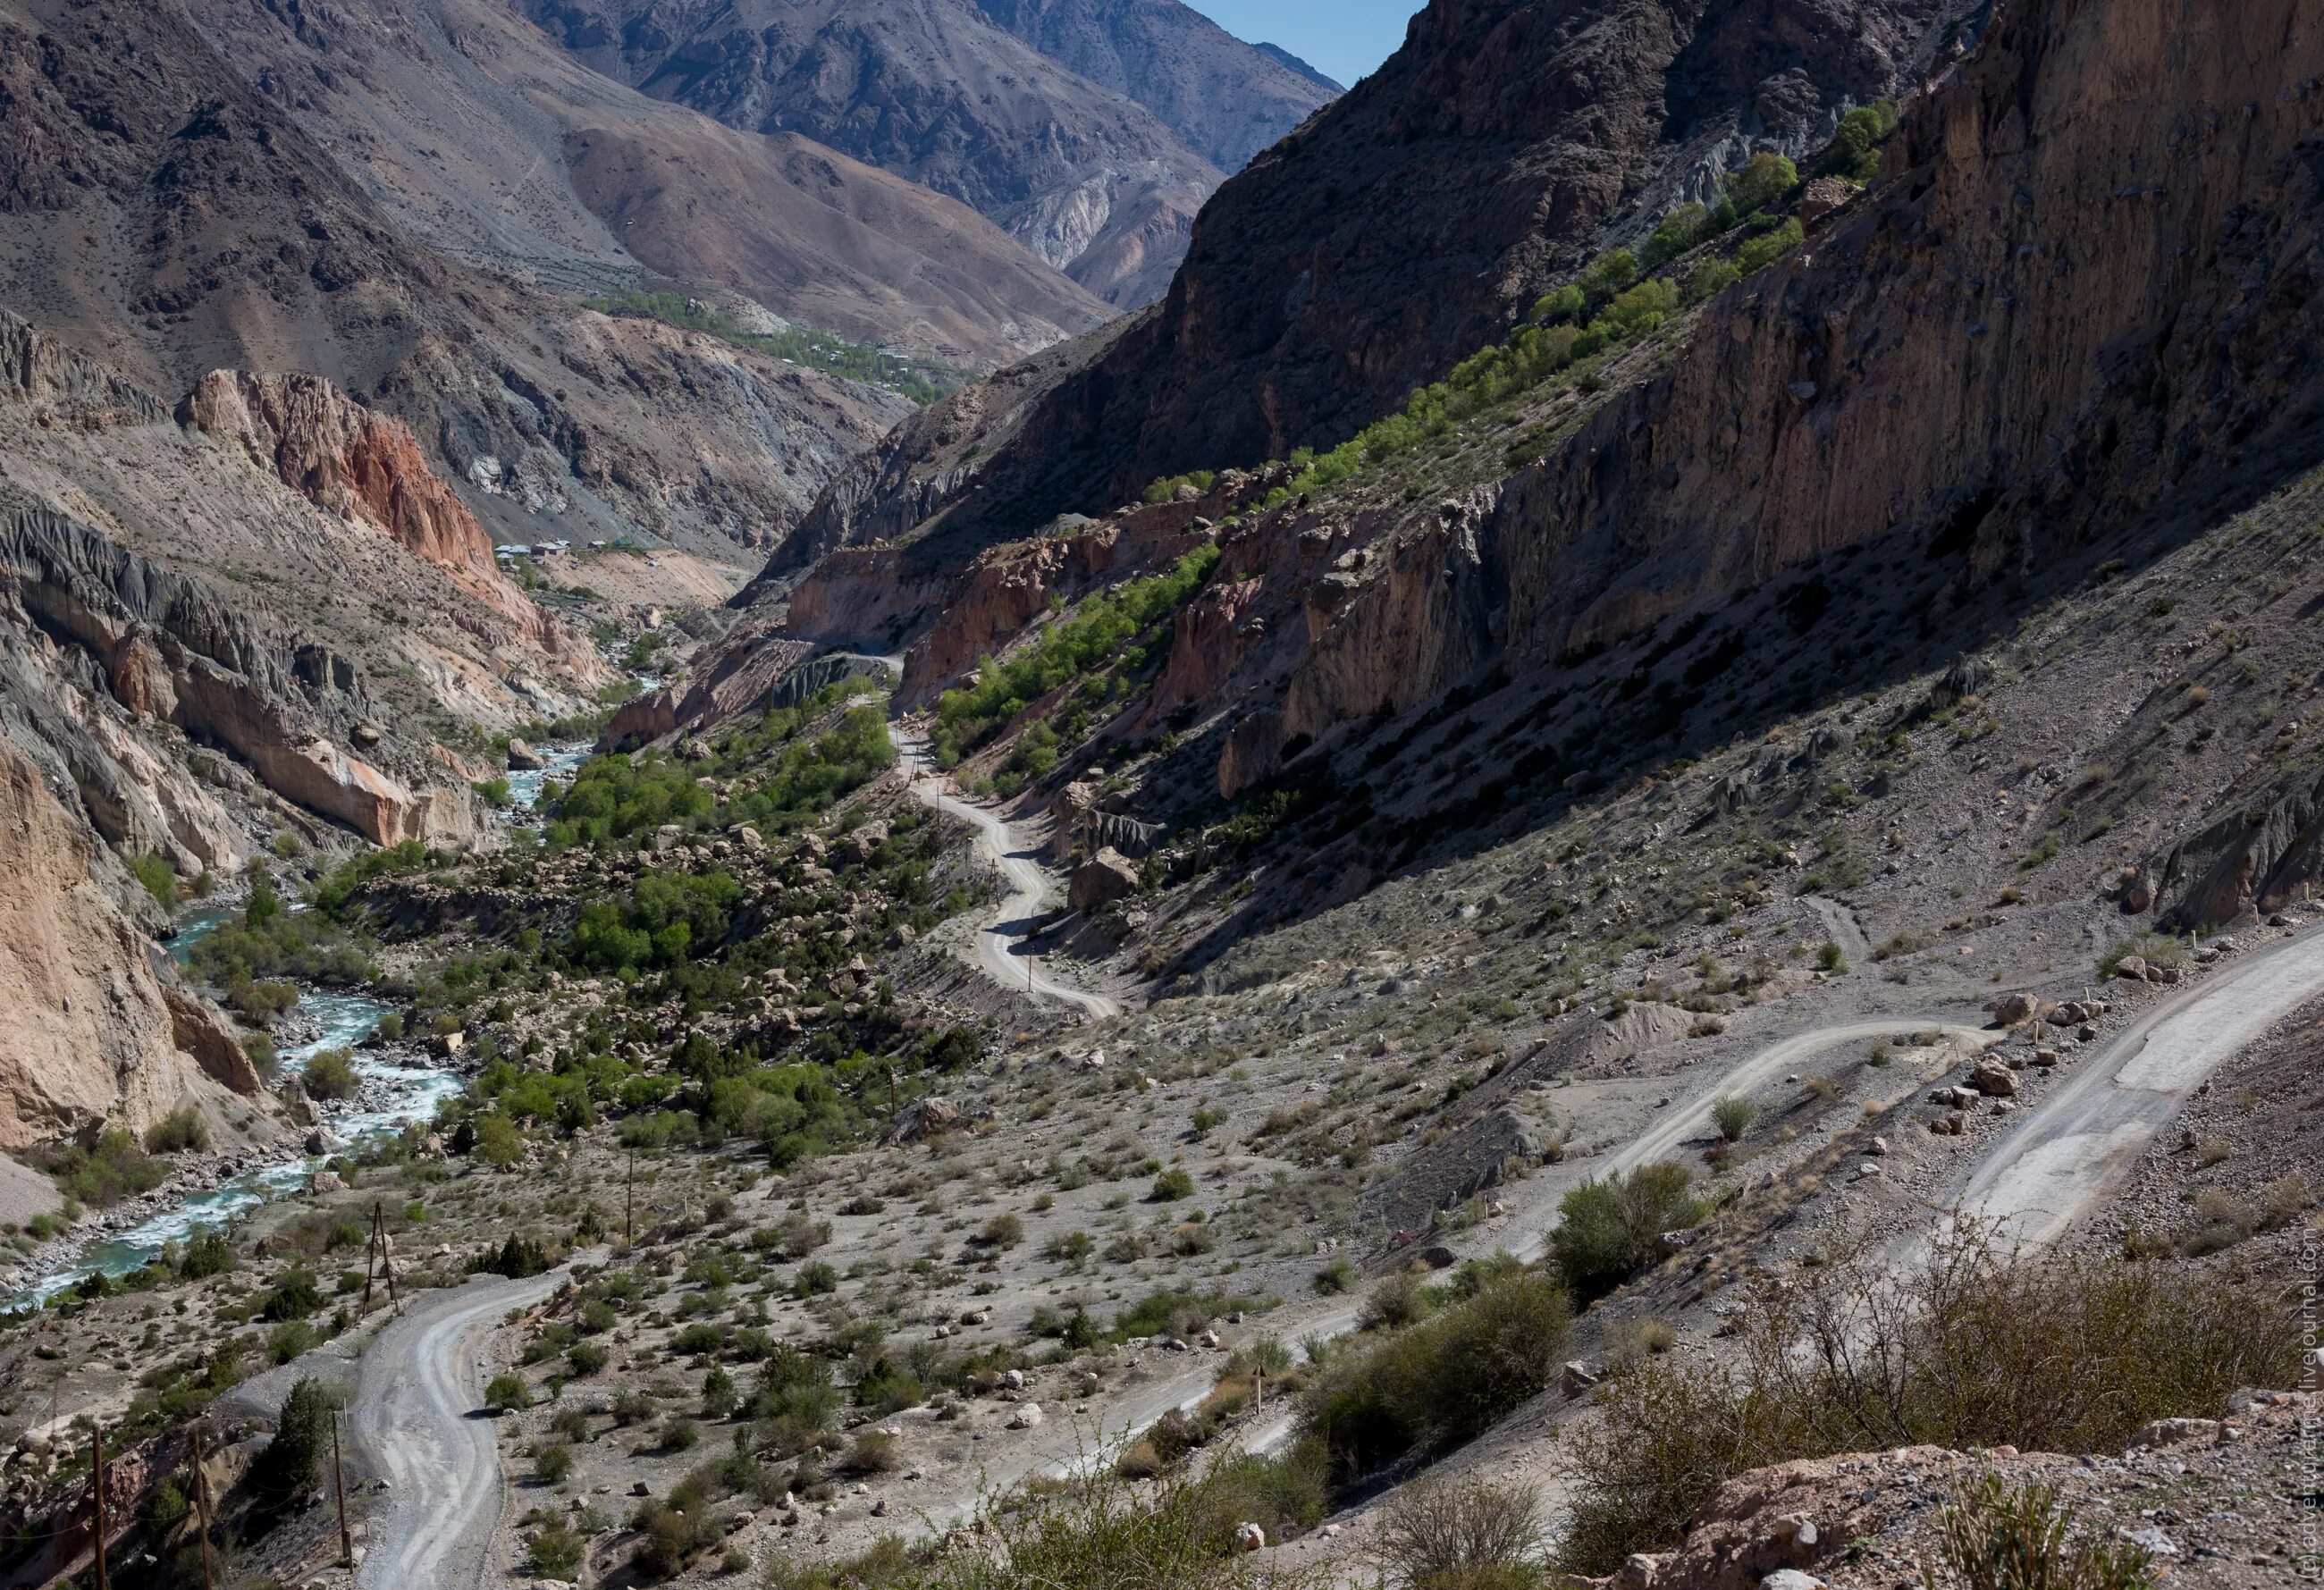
(1001, 952)
(417, 1420)
(2073, 1151)
(1533, 1206)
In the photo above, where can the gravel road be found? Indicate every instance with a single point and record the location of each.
(1001, 953)
(418, 1421)
(2076, 1149)
(1533, 1206)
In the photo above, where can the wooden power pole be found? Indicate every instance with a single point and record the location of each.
(96, 1489)
(202, 1508)
(339, 1484)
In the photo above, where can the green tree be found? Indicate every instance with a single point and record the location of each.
(288, 1467)
(1767, 179)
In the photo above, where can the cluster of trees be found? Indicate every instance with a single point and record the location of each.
(1099, 635)
(1614, 301)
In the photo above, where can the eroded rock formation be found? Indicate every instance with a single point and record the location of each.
(87, 1030)
(361, 465)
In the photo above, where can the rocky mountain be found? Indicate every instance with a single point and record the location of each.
(1227, 98)
(171, 218)
(483, 141)
(1399, 232)
(1089, 179)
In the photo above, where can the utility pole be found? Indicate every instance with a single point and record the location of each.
(370, 1261)
(97, 1488)
(202, 1508)
(630, 1204)
(386, 1252)
(1258, 1389)
(339, 1483)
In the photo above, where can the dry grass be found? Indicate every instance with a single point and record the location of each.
(1977, 1347)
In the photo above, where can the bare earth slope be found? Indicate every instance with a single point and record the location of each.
(169, 220)
(1088, 180)
(483, 139)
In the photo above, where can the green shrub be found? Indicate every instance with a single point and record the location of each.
(1854, 152)
(1065, 651)
(288, 1467)
(1443, 1382)
(553, 1464)
(1608, 1230)
(1996, 1538)
(1733, 1116)
(1167, 490)
(289, 1341)
(508, 1394)
(1764, 181)
(101, 1167)
(182, 1130)
(330, 1075)
(1765, 250)
(158, 875)
(557, 1551)
(294, 1297)
(1171, 1185)
(207, 1253)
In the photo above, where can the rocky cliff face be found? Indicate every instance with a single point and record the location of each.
(165, 647)
(1079, 175)
(1227, 98)
(89, 1030)
(1396, 235)
(364, 466)
(2071, 318)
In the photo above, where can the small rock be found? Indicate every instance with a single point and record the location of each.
(2174, 1432)
(1249, 1538)
(1026, 1417)
(1790, 1580)
(1577, 1378)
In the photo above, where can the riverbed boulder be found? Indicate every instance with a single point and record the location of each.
(523, 759)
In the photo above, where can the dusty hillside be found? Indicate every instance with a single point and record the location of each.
(148, 190)
(1399, 233)
(1088, 180)
(487, 142)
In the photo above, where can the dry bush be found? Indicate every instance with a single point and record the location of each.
(1445, 1380)
(1437, 1533)
(1976, 1346)
(1096, 1532)
(1994, 1538)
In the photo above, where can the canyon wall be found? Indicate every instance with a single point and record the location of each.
(88, 1031)
(1398, 230)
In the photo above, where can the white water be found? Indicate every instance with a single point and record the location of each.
(525, 787)
(413, 1094)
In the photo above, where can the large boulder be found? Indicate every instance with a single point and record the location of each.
(1105, 878)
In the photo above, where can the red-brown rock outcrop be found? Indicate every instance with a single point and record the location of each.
(367, 467)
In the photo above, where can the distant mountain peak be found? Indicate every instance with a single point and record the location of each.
(1283, 57)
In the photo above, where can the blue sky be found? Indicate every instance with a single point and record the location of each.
(1342, 38)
